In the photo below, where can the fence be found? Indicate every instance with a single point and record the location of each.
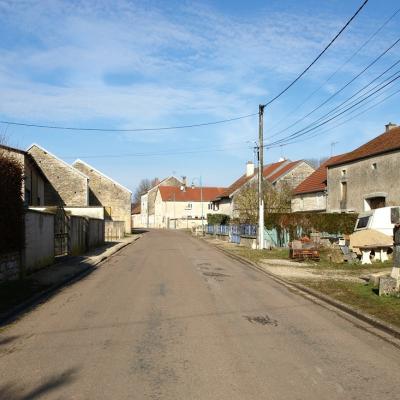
(246, 234)
(40, 242)
(96, 232)
(114, 230)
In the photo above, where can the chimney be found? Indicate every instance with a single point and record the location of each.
(249, 168)
(183, 186)
(389, 126)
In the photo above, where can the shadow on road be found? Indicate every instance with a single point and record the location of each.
(11, 391)
(7, 340)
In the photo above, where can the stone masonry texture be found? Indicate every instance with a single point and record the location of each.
(107, 193)
(69, 184)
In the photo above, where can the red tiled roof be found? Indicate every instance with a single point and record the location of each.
(316, 182)
(384, 143)
(268, 170)
(173, 193)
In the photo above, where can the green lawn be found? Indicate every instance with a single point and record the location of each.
(361, 296)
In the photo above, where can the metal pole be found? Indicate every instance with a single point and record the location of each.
(260, 176)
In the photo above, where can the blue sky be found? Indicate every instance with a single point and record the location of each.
(128, 64)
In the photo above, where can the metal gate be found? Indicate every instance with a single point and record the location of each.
(61, 232)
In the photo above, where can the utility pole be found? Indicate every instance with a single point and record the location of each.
(260, 176)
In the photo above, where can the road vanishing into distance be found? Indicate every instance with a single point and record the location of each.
(171, 317)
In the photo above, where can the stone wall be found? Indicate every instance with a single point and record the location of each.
(39, 240)
(115, 198)
(309, 202)
(9, 266)
(370, 177)
(68, 185)
(297, 175)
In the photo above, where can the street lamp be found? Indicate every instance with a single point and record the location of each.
(201, 200)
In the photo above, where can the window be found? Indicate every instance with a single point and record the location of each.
(210, 206)
(374, 166)
(343, 172)
(343, 195)
(188, 206)
(362, 222)
(376, 202)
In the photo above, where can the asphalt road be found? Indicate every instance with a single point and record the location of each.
(170, 317)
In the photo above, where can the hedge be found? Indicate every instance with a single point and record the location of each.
(308, 222)
(11, 205)
(218, 219)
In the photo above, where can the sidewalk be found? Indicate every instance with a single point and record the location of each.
(17, 296)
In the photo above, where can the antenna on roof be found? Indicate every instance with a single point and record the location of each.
(333, 144)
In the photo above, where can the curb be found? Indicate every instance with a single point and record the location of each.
(373, 321)
(17, 311)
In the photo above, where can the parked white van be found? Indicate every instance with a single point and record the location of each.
(379, 219)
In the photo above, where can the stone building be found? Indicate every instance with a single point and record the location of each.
(311, 194)
(367, 177)
(33, 190)
(148, 199)
(104, 191)
(286, 172)
(183, 207)
(68, 186)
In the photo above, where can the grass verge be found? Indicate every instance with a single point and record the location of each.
(361, 296)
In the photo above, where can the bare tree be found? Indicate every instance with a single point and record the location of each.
(276, 200)
(144, 185)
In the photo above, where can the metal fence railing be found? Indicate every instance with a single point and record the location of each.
(236, 233)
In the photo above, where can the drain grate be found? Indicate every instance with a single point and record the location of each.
(261, 319)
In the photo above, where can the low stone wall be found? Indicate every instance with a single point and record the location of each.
(9, 266)
(39, 240)
(114, 230)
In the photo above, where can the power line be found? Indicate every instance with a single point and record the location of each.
(373, 62)
(161, 153)
(165, 128)
(337, 125)
(303, 131)
(340, 68)
(319, 55)
(344, 104)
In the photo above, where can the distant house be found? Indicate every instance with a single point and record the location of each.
(106, 192)
(184, 207)
(135, 216)
(311, 194)
(68, 186)
(33, 191)
(278, 173)
(147, 203)
(367, 177)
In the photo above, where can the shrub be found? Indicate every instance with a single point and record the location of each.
(308, 222)
(11, 204)
(218, 219)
